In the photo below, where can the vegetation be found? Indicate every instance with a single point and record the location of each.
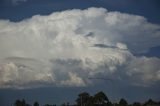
(99, 99)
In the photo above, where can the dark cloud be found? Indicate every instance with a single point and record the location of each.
(104, 46)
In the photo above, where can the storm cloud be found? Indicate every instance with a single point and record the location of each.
(66, 48)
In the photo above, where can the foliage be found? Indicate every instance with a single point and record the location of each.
(36, 104)
(99, 99)
(123, 102)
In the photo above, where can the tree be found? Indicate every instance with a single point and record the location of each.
(90, 101)
(109, 103)
(100, 98)
(63, 104)
(17, 103)
(67, 103)
(83, 99)
(123, 102)
(150, 102)
(136, 104)
(21, 103)
(47, 105)
(36, 104)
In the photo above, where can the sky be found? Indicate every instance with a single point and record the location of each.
(51, 50)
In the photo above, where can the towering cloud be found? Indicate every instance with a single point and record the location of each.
(65, 48)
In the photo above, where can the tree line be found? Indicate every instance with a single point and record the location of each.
(99, 99)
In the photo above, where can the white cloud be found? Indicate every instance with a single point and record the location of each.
(59, 49)
(144, 70)
(24, 73)
(73, 80)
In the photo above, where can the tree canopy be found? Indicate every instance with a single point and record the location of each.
(99, 99)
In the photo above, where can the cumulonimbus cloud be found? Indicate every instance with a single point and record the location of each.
(65, 48)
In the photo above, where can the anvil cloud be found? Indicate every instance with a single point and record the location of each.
(65, 48)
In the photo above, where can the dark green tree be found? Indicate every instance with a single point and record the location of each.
(150, 102)
(123, 102)
(17, 103)
(67, 103)
(100, 99)
(83, 99)
(63, 104)
(159, 103)
(109, 103)
(36, 104)
(136, 104)
(90, 101)
(21, 103)
(47, 105)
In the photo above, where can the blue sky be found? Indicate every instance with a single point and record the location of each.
(21, 10)
(50, 48)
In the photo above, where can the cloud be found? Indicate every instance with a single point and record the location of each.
(65, 48)
(16, 2)
(24, 73)
(74, 80)
(144, 70)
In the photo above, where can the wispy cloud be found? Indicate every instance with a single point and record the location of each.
(17, 2)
